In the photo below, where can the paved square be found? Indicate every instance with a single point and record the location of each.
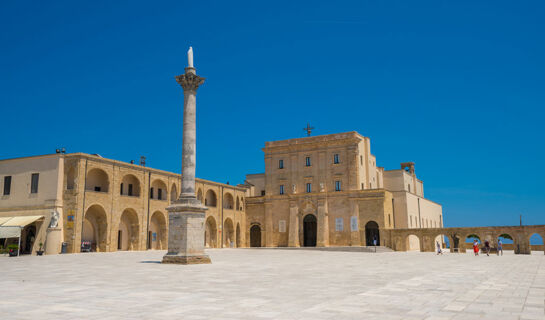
(274, 284)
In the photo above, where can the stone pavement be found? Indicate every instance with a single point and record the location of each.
(274, 284)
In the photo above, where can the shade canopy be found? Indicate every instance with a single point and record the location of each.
(10, 227)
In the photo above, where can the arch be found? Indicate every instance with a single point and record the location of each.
(173, 193)
(158, 190)
(310, 230)
(128, 231)
(157, 234)
(238, 236)
(199, 195)
(508, 241)
(97, 180)
(413, 243)
(535, 240)
(210, 200)
(210, 233)
(255, 236)
(71, 178)
(444, 242)
(228, 202)
(241, 203)
(130, 186)
(228, 233)
(95, 228)
(372, 233)
(238, 204)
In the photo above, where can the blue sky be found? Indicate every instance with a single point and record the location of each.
(456, 87)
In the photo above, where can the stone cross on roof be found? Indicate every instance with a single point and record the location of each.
(308, 129)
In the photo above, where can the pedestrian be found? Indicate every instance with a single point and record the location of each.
(439, 251)
(487, 247)
(500, 247)
(375, 241)
(475, 247)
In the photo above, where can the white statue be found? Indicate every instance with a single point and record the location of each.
(293, 189)
(190, 57)
(322, 187)
(54, 219)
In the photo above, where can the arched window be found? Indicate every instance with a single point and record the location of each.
(210, 199)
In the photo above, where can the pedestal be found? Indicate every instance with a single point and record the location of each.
(53, 241)
(186, 232)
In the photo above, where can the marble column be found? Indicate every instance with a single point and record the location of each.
(186, 215)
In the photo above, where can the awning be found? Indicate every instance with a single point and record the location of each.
(20, 221)
(10, 227)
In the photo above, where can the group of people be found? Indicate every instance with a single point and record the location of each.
(476, 247)
(487, 247)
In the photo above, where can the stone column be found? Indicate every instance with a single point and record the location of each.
(323, 224)
(293, 235)
(186, 215)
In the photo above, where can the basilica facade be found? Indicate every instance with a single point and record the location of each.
(329, 191)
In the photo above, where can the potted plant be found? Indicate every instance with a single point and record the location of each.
(13, 250)
(40, 252)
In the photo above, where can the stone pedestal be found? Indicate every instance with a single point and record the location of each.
(53, 241)
(186, 232)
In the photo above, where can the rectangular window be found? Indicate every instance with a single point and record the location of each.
(309, 187)
(281, 189)
(307, 161)
(151, 193)
(337, 186)
(34, 183)
(262, 192)
(280, 164)
(362, 186)
(361, 160)
(339, 225)
(282, 226)
(120, 189)
(130, 189)
(409, 187)
(160, 194)
(7, 185)
(336, 158)
(97, 189)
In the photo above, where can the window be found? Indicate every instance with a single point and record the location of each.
(409, 187)
(280, 164)
(160, 194)
(309, 187)
(281, 189)
(362, 186)
(411, 219)
(97, 189)
(7, 185)
(130, 189)
(389, 221)
(151, 193)
(121, 190)
(336, 158)
(361, 160)
(337, 186)
(307, 161)
(34, 183)
(262, 192)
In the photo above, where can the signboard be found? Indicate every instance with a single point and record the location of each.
(353, 223)
(154, 236)
(339, 224)
(282, 226)
(70, 222)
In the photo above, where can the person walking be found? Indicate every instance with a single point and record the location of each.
(500, 247)
(487, 247)
(475, 247)
(439, 251)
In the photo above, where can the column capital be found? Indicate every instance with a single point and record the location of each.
(190, 81)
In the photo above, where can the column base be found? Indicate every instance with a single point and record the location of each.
(200, 259)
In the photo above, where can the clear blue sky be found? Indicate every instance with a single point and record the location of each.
(455, 86)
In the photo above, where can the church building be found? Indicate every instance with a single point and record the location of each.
(328, 191)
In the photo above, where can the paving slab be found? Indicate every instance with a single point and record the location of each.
(274, 284)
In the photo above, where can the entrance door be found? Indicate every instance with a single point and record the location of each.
(119, 239)
(371, 233)
(255, 236)
(310, 230)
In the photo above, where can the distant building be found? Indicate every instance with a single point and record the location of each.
(111, 205)
(328, 191)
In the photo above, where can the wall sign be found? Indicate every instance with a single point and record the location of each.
(339, 224)
(282, 226)
(354, 223)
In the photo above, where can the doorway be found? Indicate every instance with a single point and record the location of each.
(255, 236)
(372, 233)
(310, 230)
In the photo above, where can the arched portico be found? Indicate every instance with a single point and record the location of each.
(157, 234)
(228, 233)
(95, 228)
(128, 231)
(210, 233)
